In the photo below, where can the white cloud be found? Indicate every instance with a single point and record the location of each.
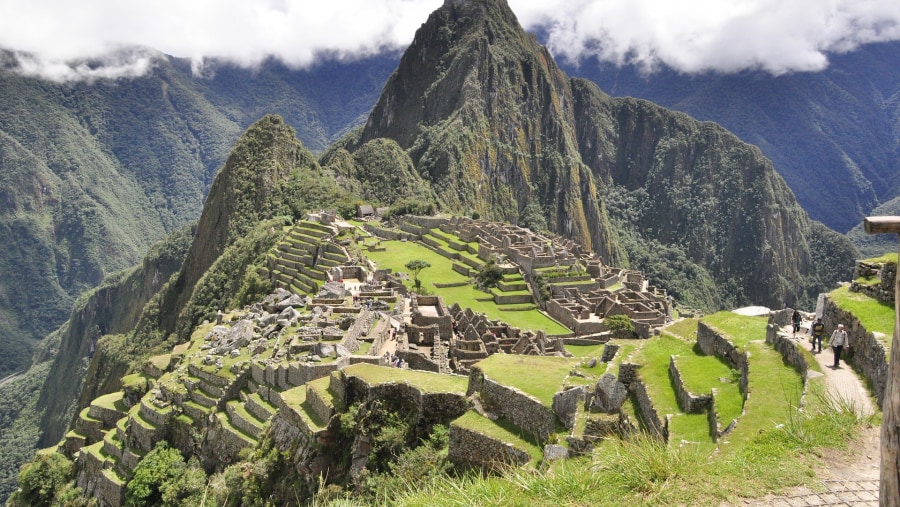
(712, 35)
(690, 35)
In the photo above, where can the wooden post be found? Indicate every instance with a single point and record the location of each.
(890, 425)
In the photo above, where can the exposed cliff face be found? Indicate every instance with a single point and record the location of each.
(716, 197)
(487, 118)
(112, 308)
(493, 125)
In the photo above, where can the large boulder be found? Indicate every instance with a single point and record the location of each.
(609, 394)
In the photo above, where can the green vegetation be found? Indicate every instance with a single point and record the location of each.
(541, 377)
(416, 266)
(873, 315)
(620, 325)
(740, 328)
(398, 253)
(163, 478)
(43, 480)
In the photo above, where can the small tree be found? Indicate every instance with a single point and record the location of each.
(489, 275)
(416, 266)
(620, 325)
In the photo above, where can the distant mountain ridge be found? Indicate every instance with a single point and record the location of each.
(834, 135)
(94, 173)
(493, 126)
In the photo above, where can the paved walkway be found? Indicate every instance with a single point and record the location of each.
(852, 480)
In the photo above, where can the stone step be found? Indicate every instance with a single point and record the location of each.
(294, 408)
(338, 257)
(512, 286)
(141, 432)
(202, 398)
(302, 260)
(73, 442)
(195, 411)
(321, 399)
(233, 439)
(243, 420)
(121, 428)
(88, 426)
(112, 445)
(328, 263)
(260, 408)
(108, 408)
(301, 250)
(154, 414)
(130, 459)
(289, 261)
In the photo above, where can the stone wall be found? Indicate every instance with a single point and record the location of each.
(867, 355)
(786, 347)
(523, 410)
(468, 447)
(714, 343)
(689, 402)
(886, 273)
(656, 426)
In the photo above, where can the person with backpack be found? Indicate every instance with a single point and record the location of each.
(797, 319)
(818, 331)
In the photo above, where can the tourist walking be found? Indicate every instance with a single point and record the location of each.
(818, 332)
(797, 319)
(839, 340)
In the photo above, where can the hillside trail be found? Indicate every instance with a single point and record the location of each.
(847, 477)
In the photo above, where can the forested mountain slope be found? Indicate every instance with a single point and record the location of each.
(495, 127)
(93, 173)
(833, 135)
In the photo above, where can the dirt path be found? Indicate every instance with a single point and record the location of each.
(848, 478)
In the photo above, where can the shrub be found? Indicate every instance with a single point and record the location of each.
(621, 325)
(41, 479)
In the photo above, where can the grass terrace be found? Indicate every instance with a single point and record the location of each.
(500, 430)
(538, 376)
(654, 359)
(398, 253)
(740, 328)
(422, 380)
(874, 315)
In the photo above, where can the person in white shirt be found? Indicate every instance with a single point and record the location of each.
(839, 340)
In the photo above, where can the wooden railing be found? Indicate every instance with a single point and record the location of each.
(890, 425)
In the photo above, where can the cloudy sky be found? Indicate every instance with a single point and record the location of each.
(50, 37)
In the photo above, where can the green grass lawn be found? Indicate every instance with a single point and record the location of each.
(774, 393)
(423, 380)
(586, 350)
(654, 360)
(538, 376)
(399, 253)
(740, 328)
(872, 314)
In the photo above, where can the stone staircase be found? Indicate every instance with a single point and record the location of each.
(300, 261)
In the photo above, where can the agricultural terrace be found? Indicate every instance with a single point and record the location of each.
(397, 254)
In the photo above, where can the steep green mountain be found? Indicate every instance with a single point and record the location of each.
(92, 174)
(257, 182)
(479, 118)
(487, 119)
(494, 126)
(832, 135)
